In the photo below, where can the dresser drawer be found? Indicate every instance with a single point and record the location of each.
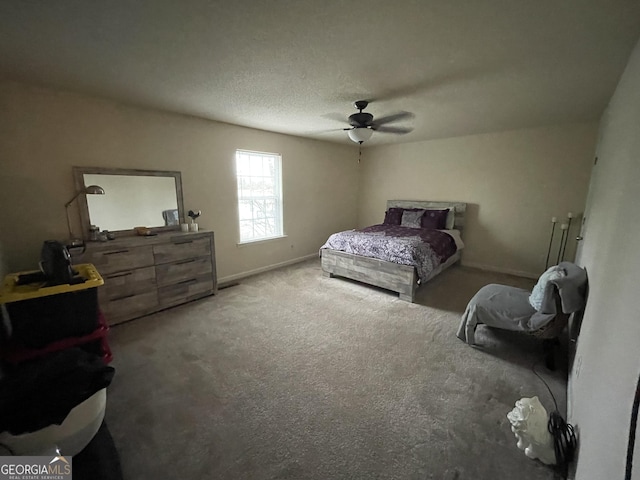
(146, 274)
(128, 281)
(128, 306)
(171, 273)
(182, 248)
(121, 259)
(185, 290)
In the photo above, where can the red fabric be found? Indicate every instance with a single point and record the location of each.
(15, 353)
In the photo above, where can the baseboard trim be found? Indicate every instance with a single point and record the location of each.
(249, 273)
(479, 266)
(491, 268)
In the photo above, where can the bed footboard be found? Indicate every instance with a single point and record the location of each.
(397, 278)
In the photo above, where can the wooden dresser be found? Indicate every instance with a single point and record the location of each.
(146, 274)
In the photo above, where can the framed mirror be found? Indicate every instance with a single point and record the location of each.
(132, 198)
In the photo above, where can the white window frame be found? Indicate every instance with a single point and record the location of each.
(256, 200)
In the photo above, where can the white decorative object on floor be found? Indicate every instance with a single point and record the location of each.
(529, 424)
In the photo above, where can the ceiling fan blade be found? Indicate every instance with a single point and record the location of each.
(396, 117)
(336, 116)
(322, 132)
(396, 130)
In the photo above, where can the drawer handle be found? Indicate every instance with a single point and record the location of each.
(116, 275)
(186, 261)
(185, 282)
(116, 252)
(183, 242)
(123, 297)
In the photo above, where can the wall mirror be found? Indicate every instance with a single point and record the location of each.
(132, 198)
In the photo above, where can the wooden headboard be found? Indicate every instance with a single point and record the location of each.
(459, 208)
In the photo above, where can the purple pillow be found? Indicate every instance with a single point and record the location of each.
(393, 216)
(436, 219)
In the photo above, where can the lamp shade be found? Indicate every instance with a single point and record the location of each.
(90, 190)
(360, 134)
(94, 190)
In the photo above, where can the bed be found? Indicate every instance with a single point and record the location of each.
(387, 273)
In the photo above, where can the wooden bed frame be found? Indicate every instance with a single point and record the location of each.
(398, 278)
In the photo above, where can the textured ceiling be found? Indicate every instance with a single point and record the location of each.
(292, 66)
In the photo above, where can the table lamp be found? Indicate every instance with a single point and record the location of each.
(90, 190)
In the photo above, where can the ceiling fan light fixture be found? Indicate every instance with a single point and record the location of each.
(360, 134)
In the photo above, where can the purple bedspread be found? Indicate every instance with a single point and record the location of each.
(423, 248)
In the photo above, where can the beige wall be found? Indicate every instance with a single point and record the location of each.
(43, 133)
(513, 182)
(606, 368)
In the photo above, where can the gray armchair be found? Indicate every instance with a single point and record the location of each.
(508, 308)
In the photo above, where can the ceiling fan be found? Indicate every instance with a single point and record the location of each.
(363, 124)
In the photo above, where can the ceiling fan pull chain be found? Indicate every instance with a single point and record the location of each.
(359, 152)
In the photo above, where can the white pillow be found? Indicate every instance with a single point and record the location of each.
(451, 219)
(537, 294)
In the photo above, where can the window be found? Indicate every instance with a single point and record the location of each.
(259, 195)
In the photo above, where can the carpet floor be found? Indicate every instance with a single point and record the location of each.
(292, 375)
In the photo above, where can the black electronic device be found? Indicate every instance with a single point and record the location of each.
(55, 263)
